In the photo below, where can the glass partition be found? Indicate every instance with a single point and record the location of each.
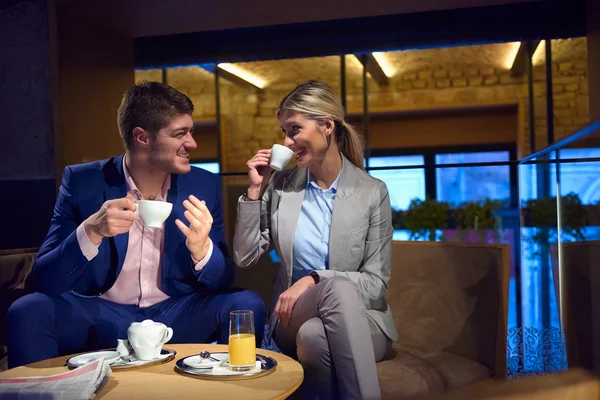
(541, 334)
(560, 238)
(575, 261)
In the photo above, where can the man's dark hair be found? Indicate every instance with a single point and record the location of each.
(150, 105)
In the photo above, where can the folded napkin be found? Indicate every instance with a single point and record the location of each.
(224, 370)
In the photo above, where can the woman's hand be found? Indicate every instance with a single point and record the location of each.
(287, 299)
(259, 173)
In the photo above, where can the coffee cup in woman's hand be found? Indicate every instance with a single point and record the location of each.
(280, 157)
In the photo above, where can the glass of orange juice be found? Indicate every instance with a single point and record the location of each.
(242, 344)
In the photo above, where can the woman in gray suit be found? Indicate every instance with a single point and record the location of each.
(330, 223)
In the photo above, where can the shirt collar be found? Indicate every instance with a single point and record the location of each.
(333, 188)
(131, 187)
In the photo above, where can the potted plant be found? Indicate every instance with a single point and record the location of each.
(398, 220)
(475, 221)
(426, 218)
(593, 214)
(542, 214)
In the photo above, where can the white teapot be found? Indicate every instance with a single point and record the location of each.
(147, 338)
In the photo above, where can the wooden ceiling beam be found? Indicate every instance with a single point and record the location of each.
(373, 68)
(236, 80)
(519, 67)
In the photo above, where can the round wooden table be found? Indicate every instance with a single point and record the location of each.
(162, 382)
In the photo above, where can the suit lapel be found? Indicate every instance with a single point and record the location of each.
(171, 242)
(346, 204)
(289, 211)
(116, 189)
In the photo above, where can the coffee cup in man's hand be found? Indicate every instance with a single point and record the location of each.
(153, 212)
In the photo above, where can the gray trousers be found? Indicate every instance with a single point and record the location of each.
(336, 343)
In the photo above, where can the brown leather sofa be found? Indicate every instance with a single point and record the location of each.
(15, 266)
(449, 302)
(450, 305)
(581, 302)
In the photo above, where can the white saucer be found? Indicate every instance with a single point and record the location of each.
(264, 365)
(200, 363)
(86, 358)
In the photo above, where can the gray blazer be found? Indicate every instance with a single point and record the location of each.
(360, 237)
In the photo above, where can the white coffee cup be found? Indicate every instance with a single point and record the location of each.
(147, 338)
(153, 212)
(280, 156)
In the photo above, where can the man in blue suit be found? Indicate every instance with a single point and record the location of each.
(99, 268)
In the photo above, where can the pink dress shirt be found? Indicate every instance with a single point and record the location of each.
(139, 279)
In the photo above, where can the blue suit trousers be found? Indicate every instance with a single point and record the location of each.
(42, 326)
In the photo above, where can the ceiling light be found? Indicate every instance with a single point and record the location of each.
(242, 74)
(384, 64)
(539, 54)
(511, 54)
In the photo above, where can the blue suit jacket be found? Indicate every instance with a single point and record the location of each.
(61, 266)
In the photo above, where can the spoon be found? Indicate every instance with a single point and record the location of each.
(206, 354)
(127, 358)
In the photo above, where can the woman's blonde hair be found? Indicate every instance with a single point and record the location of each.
(316, 100)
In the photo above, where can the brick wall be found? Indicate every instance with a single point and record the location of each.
(593, 50)
(197, 83)
(570, 94)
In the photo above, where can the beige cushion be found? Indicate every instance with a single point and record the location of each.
(409, 374)
(446, 298)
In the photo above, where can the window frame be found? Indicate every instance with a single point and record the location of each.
(205, 161)
(431, 167)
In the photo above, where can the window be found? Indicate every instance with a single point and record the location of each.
(213, 167)
(460, 184)
(455, 185)
(579, 176)
(403, 184)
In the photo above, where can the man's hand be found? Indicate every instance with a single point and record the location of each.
(287, 299)
(200, 221)
(113, 218)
